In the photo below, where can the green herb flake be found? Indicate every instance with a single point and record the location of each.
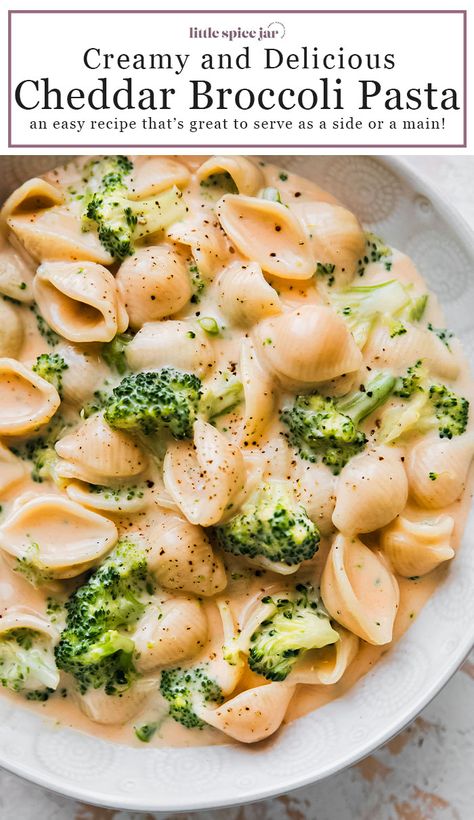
(326, 269)
(146, 732)
(39, 695)
(397, 329)
(48, 334)
(220, 182)
(442, 333)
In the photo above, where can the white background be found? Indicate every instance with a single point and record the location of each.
(427, 48)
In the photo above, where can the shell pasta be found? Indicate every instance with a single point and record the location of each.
(235, 447)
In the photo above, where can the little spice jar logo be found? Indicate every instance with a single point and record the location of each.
(273, 31)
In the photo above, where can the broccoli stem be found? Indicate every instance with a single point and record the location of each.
(225, 398)
(362, 403)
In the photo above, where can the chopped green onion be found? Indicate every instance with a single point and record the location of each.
(209, 324)
(272, 194)
(419, 307)
(146, 732)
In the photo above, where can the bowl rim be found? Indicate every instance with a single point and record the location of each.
(53, 781)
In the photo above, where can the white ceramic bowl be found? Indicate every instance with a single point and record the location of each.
(391, 201)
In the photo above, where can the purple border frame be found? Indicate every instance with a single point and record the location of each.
(463, 12)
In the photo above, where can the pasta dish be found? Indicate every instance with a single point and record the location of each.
(234, 447)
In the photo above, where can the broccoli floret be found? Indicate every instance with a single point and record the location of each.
(119, 494)
(412, 382)
(298, 623)
(397, 329)
(50, 366)
(216, 185)
(427, 406)
(375, 250)
(119, 220)
(113, 353)
(27, 662)
(115, 222)
(32, 568)
(198, 284)
(54, 609)
(40, 451)
(183, 687)
(226, 394)
(326, 429)
(107, 167)
(99, 400)
(107, 205)
(271, 525)
(43, 458)
(153, 401)
(442, 333)
(319, 431)
(390, 301)
(94, 646)
(39, 695)
(51, 338)
(326, 269)
(451, 410)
